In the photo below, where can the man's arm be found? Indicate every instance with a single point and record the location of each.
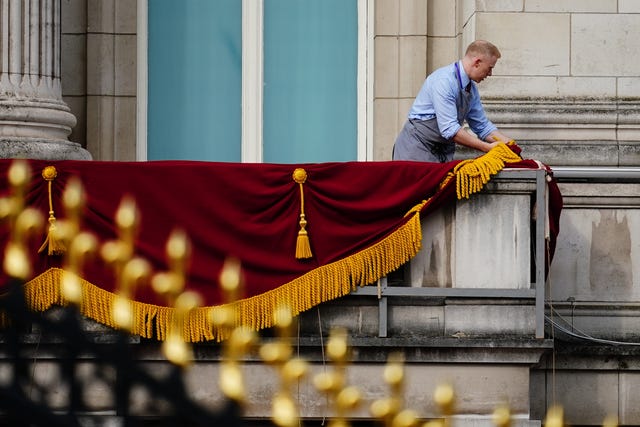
(498, 136)
(465, 138)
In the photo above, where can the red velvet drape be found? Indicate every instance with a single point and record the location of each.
(250, 211)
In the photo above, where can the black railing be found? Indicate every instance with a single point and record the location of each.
(27, 400)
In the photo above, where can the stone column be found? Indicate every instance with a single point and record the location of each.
(34, 120)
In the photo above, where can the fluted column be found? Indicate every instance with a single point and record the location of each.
(34, 120)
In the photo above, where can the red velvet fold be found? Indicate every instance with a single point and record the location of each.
(249, 211)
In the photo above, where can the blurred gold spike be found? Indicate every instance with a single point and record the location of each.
(73, 199)
(7, 207)
(555, 417)
(231, 279)
(120, 251)
(382, 409)
(349, 397)
(394, 371)
(388, 408)
(23, 222)
(444, 397)
(17, 262)
(82, 245)
(222, 317)
(175, 349)
(171, 283)
(283, 320)
(327, 382)
(278, 354)
(129, 270)
(133, 273)
(337, 345)
(502, 416)
(610, 421)
(127, 217)
(405, 418)
(231, 382)
(240, 338)
(344, 398)
(178, 249)
(18, 175)
(240, 341)
(285, 411)
(294, 369)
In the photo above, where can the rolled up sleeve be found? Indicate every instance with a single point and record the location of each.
(444, 104)
(477, 119)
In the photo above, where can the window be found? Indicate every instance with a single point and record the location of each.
(281, 81)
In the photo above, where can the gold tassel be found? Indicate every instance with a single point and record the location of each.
(303, 247)
(55, 245)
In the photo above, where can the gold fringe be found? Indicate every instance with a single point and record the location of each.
(473, 174)
(53, 245)
(322, 284)
(319, 285)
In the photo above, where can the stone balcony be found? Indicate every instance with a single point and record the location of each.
(480, 329)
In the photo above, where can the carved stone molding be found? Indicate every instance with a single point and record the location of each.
(603, 132)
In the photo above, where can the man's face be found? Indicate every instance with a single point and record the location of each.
(482, 67)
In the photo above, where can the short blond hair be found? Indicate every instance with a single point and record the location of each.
(482, 47)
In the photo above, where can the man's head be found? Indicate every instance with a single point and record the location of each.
(479, 60)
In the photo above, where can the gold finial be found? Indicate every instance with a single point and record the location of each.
(49, 173)
(299, 175)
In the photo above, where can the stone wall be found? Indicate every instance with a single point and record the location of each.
(99, 75)
(567, 87)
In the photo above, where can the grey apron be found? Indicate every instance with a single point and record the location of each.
(421, 139)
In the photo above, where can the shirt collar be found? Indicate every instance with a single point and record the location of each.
(464, 78)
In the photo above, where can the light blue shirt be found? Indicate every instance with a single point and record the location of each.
(441, 97)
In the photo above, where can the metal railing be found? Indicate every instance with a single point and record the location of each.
(536, 291)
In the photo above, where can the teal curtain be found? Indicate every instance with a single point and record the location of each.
(194, 80)
(310, 80)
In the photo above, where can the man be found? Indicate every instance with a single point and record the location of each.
(448, 97)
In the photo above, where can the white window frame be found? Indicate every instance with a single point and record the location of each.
(252, 80)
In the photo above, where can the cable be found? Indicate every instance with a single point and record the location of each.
(583, 335)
